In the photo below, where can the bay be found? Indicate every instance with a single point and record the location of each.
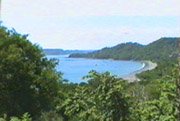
(76, 68)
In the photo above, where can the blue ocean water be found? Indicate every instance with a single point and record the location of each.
(76, 68)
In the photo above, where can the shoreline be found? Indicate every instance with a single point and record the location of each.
(147, 66)
(131, 77)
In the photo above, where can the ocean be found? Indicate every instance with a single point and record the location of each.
(74, 69)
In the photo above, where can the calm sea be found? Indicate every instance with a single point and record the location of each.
(76, 68)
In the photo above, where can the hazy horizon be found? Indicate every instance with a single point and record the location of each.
(111, 46)
(92, 25)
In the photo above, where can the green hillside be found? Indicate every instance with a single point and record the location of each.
(162, 49)
(63, 52)
(33, 90)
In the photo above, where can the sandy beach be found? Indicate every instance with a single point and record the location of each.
(146, 65)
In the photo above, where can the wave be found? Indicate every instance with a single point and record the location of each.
(143, 65)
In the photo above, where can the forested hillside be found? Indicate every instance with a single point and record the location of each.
(162, 49)
(32, 90)
(63, 52)
(164, 52)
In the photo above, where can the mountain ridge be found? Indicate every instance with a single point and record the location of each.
(64, 52)
(161, 49)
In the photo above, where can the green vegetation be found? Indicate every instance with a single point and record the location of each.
(25, 117)
(105, 102)
(32, 90)
(162, 49)
(63, 52)
(29, 82)
(164, 52)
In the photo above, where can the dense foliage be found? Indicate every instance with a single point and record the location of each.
(63, 52)
(25, 117)
(164, 52)
(32, 90)
(106, 102)
(164, 68)
(162, 49)
(28, 81)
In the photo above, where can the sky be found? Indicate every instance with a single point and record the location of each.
(92, 24)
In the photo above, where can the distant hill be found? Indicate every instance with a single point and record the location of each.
(162, 49)
(64, 52)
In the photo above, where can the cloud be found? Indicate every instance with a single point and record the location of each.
(92, 24)
(79, 8)
(99, 38)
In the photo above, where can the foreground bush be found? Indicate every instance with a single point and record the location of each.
(104, 103)
(25, 117)
(28, 80)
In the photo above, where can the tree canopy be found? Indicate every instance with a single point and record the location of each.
(32, 90)
(28, 80)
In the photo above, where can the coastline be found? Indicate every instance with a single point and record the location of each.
(147, 66)
(131, 77)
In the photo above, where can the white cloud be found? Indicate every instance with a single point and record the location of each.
(76, 8)
(99, 38)
(50, 22)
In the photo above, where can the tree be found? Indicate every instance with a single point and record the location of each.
(28, 80)
(163, 109)
(178, 83)
(25, 117)
(106, 102)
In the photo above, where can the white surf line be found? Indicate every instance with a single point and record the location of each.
(146, 65)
